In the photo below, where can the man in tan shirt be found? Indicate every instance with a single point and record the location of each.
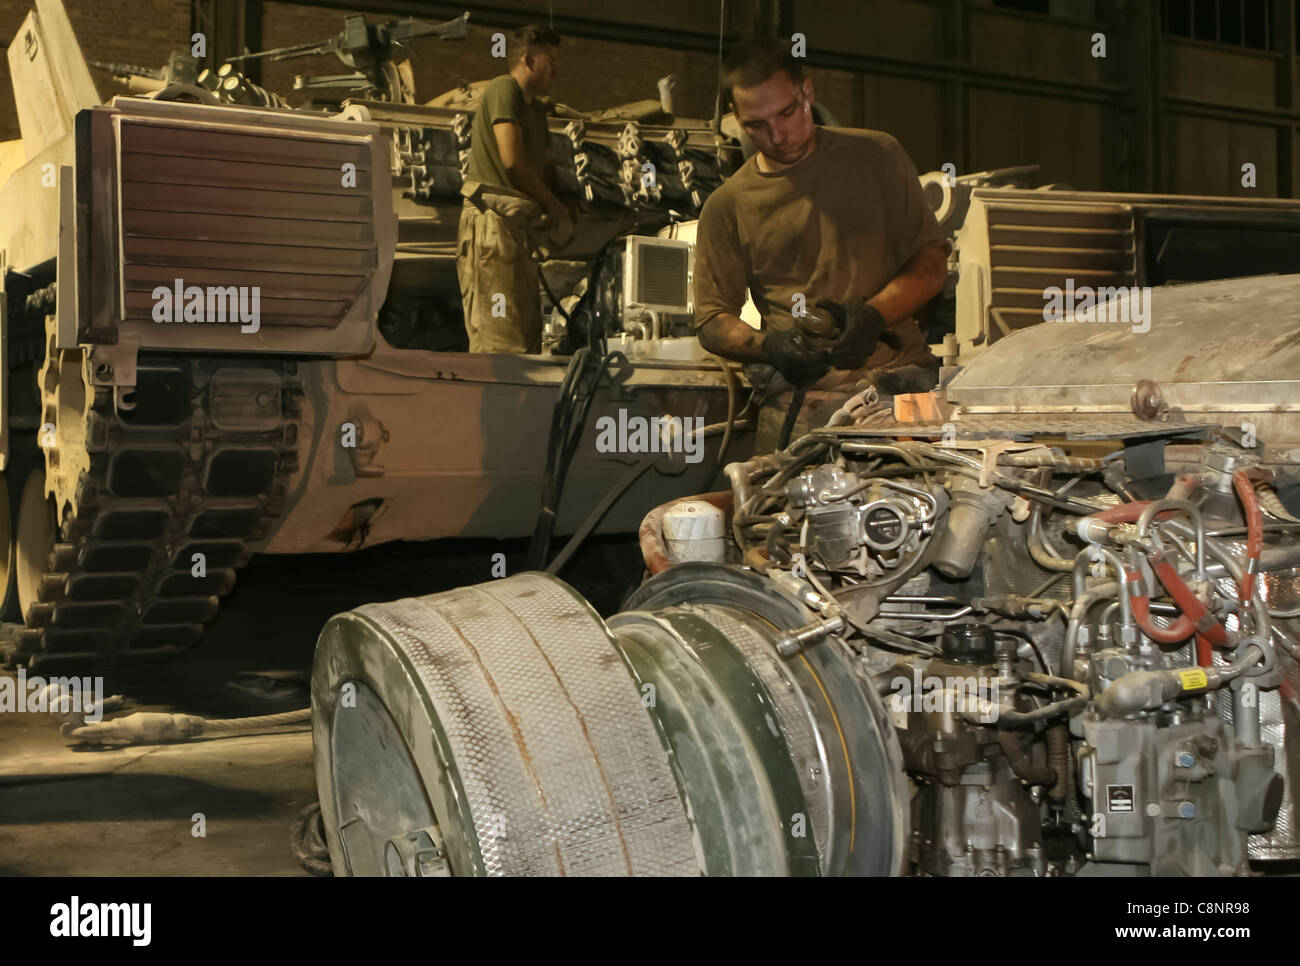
(510, 201)
(817, 217)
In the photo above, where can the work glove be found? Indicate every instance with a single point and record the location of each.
(791, 356)
(861, 327)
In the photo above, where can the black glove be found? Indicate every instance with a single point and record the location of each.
(861, 326)
(793, 358)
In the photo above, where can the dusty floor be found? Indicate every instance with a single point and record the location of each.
(66, 810)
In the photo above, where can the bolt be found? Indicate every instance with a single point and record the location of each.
(1153, 810)
(1186, 759)
(1187, 810)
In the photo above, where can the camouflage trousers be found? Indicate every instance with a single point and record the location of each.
(497, 271)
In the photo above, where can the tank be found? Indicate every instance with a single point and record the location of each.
(321, 405)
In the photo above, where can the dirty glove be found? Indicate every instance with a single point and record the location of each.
(793, 358)
(861, 326)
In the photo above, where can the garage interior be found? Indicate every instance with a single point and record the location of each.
(1171, 126)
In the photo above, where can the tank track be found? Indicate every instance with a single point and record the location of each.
(195, 460)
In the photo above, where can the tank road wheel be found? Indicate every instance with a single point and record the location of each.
(505, 729)
(36, 530)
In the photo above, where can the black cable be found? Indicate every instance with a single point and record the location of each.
(560, 417)
(551, 295)
(611, 496)
(732, 391)
(569, 420)
(796, 403)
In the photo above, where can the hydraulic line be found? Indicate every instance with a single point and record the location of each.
(1254, 531)
(1263, 620)
(733, 390)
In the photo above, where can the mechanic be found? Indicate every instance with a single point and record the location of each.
(823, 222)
(510, 203)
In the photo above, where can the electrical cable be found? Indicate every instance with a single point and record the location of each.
(733, 391)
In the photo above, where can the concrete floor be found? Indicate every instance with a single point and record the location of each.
(67, 810)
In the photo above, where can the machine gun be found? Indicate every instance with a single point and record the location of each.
(376, 53)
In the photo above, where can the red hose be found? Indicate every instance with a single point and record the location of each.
(1254, 531)
(1122, 512)
(1179, 630)
(1187, 601)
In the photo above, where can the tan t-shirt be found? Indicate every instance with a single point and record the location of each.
(502, 100)
(838, 225)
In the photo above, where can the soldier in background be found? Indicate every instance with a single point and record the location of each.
(510, 202)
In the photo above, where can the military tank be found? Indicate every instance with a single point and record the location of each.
(319, 403)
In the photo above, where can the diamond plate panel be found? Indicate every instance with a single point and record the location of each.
(562, 766)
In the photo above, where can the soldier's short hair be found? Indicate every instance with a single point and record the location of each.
(755, 61)
(529, 37)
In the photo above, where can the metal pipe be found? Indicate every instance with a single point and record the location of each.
(1039, 549)
(1263, 620)
(1156, 506)
(927, 615)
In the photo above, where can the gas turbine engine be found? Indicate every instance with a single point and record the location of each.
(984, 657)
(1086, 673)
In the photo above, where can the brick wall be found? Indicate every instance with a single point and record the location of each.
(592, 74)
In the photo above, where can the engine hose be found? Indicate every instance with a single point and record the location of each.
(1001, 717)
(1039, 549)
(774, 549)
(597, 513)
(733, 390)
(1177, 631)
(1051, 461)
(1022, 763)
(1191, 606)
(1058, 758)
(1128, 513)
(1254, 531)
(1263, 619)
(792, 414)
(1026, 719)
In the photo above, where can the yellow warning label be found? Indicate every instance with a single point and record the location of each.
(1193, 679)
